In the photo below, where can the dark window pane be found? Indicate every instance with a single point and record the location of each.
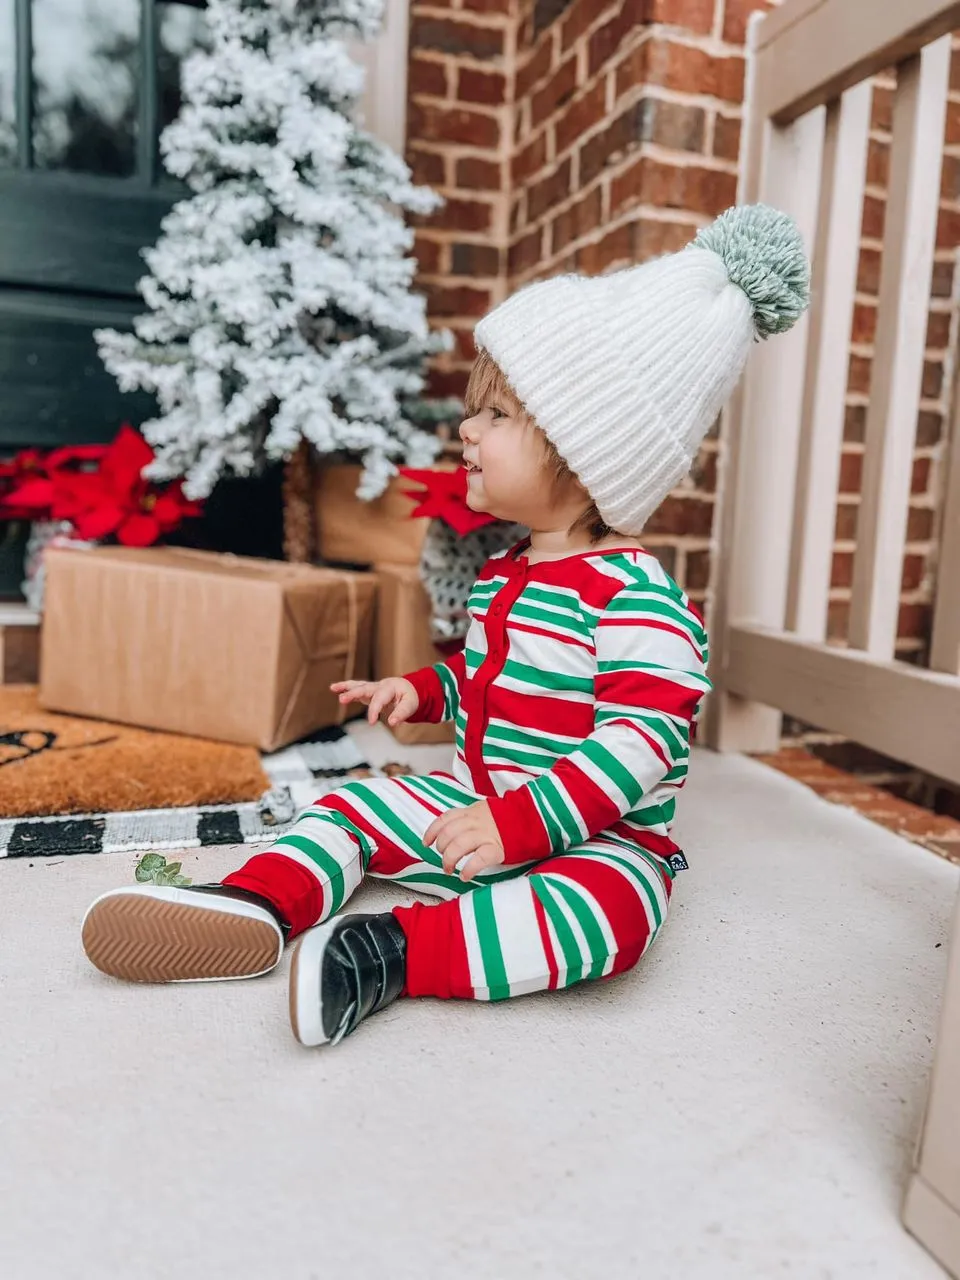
(85, 63)
(8, 82)
(181, 29)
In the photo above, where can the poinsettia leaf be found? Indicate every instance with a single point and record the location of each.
(33, 494)
(99, 523)
(69, 455)
(124, 461)
(139, 530)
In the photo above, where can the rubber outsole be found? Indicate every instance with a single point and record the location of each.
(306, 1013)
(145, 939)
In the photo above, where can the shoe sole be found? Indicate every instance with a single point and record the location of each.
(306, 1007)
(145, 938)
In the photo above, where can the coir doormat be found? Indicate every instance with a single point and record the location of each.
(52, 763)
(280, 786)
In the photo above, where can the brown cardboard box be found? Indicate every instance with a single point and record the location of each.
(931, 1211)
(350, 531)
(221, 647)
(403, 640)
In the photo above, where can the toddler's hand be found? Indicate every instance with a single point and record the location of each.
(469, 835)
(379, 694)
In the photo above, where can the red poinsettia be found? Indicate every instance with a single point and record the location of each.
(26, 484)
(116, 501)
(445, 497)
(113, 500)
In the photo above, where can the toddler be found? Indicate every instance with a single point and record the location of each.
(549, 843)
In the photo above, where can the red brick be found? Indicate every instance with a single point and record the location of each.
(881, 109)
(688, 69)
(704, 471)
(920, 475)
(942, 283)
(950, 178)
(478, 175)
(735, 15)
(615, 248)
(680, 516)
(533, 70)
(667, 186)
(442, 383)
(555, 92)
(919, 524)
(851, 472)
(929, 428)
(653, 238)
(427, 254)
(465, 348)
(485, 6)
(489, 87)
(609, 39)
(670, 124)
(457, 300)
(873, 212)
(858, 375)
(952, 133)
(546, 12)
(868, 271)
(948, 229)
(580, 17)
(525, 163)
(913, 622)
(841, 570)
(726, 138)
(938, 329)
(697, 576)
(864, 324)
(631, 71)
(459, 215)
(932, 383)
(525, 252)
(427, 167)
(475, 260)
(914, 568)
(427, 77)
(456, 37)
(581, 114)
(845, 529)
(549, 191)
(854, 423)
(577, 220)
(878, 163)
(694, 15)
(433, 122)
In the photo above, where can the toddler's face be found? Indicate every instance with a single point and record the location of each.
(507, 472)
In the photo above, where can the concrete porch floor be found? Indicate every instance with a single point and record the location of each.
(743, 1105)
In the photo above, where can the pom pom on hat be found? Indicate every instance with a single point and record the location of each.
(763, 254)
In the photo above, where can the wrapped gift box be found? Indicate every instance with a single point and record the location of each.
(351, 531)
(215, 646)
(931, 1211)
(403, 641)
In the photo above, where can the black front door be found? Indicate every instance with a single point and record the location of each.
(86, 86)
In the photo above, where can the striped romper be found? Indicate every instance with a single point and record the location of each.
(574, 701)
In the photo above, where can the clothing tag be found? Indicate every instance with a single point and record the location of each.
(678, 862)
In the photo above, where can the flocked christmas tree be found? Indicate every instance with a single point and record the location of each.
(279, 296)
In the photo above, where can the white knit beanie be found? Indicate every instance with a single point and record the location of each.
(625, 373)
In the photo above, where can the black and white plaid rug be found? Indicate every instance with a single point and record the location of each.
(298, 775)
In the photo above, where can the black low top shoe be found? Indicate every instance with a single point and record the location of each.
(341, 972)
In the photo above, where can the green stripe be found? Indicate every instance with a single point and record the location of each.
(551, 794)
(326, 862)
(565, 935)
(608, 764)
(494, 970)
(451, 698)
(596, 942)
(520, 671)
(404, 834)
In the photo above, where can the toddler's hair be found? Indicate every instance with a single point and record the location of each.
(488, 386)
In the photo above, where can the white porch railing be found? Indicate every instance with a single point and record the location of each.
(804, 150)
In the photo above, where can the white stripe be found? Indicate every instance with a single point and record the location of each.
(520, 942)
(478, 979)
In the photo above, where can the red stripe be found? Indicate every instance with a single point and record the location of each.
(537, 711)
(621, 905)
(545, 939)
(296, 894)
(645, 690)
(563, 637)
